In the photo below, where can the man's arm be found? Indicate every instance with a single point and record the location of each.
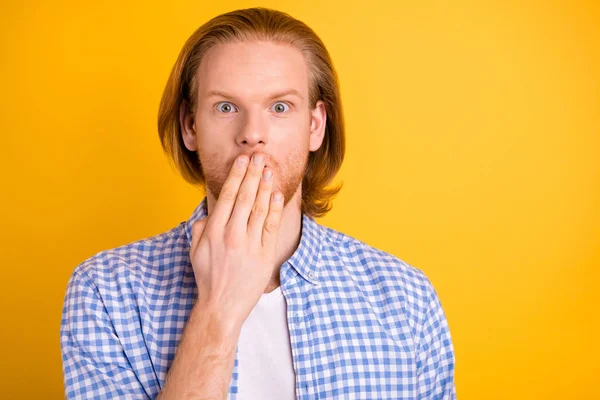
(435, 353)
(204, 359)
(94, 363)
(233, 256)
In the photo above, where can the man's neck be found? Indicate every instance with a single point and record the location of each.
(290, 230)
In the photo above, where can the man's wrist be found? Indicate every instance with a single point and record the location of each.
(218, 330)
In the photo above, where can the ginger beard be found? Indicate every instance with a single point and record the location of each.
(286, 178)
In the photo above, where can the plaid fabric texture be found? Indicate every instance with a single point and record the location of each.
(363, 324)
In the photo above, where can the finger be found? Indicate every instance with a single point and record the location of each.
(247, 193)
(261, 207)
(226, 201)
(272, 223)
(197, 231)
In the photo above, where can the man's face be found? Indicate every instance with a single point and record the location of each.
(253, 97)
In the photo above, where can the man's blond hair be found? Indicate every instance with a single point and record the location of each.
(259, 24)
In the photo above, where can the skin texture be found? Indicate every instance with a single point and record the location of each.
(238, 248)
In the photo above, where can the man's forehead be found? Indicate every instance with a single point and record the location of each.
(270, 95)
(252, 68)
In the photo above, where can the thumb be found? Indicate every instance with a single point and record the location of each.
(197, 231)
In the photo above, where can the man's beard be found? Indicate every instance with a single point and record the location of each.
(287, 178)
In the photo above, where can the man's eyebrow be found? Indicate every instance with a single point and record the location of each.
(275, 95)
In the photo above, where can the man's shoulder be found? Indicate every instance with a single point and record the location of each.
(371, 264)
(148, 259)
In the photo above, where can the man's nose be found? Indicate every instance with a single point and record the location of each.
(254, 130)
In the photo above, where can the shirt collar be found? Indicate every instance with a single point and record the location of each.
(306, 257)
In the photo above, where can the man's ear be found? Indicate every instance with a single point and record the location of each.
(188, 126)
(318, 121)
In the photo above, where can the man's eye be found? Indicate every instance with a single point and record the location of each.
(225, 107)
(280, 107)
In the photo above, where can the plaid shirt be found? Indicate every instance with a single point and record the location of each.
(363, 324)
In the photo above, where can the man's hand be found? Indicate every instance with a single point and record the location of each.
(233, 256)
(233, 249)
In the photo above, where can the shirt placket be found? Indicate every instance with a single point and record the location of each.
(299, 338)
(233, 385)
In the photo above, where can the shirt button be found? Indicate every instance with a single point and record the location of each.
(311, 275)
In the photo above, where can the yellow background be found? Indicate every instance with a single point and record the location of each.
(473, 154)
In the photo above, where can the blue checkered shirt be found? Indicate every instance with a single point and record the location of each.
(363, 324)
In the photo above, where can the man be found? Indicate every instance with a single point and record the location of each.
(250, 298)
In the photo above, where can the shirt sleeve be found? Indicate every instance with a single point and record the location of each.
(94, 363)
(435, 354)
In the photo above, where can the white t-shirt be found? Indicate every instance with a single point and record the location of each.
(265, 368)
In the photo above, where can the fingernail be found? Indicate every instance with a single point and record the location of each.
(267, 174)
(242, 160)
(258, 159)
(278, 197)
